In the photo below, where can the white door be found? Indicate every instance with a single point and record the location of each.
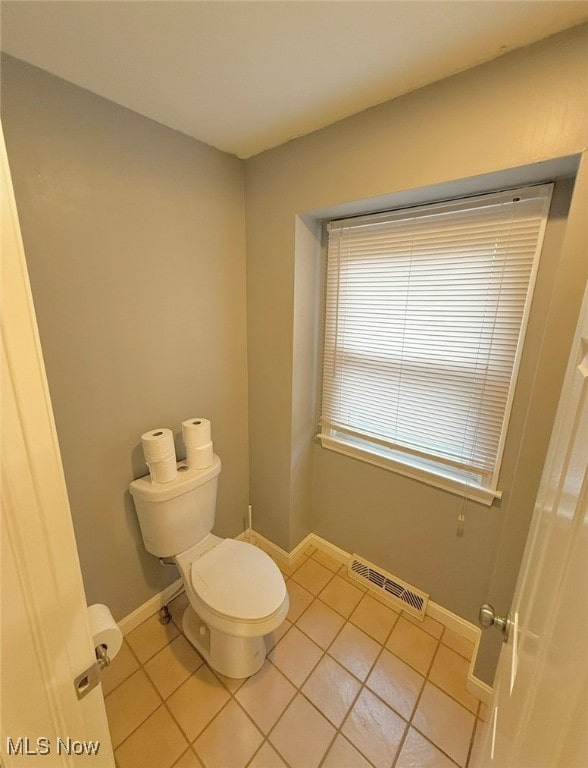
(539, 713)
(45, 634)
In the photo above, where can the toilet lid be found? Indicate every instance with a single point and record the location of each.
(238, 580)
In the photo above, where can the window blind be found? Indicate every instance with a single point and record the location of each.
(425, 311)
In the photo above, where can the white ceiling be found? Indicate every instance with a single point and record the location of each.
(246, 76)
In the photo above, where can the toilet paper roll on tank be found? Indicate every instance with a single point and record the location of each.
(160, 454)
(198, 442)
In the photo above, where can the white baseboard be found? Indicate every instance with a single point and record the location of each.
(311, 540)
(329, 549)
(471, 632)
(477, 687)
(279, 554)
(463, 628)
(145, 611)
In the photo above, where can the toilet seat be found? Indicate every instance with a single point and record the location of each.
(238, 581)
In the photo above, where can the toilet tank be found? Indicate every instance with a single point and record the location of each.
(176, 515)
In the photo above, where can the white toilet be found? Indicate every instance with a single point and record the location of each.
(237, 594)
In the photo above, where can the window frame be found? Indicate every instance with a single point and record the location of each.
(406, 462)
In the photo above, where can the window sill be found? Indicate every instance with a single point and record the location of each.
(463, 488)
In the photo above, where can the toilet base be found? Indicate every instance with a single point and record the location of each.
(231, 656)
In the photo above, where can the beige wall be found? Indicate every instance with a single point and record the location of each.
(518, 111)
(134, 237)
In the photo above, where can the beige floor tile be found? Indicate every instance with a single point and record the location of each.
(150, 637)
(312, 576)
(274, 637)
(374, 618)
(197, 701)
(129, 705)
(230, 740)
(458, 643)
(232, 684)
(412, 645)
(145, 734)
(343, 573)
(158, 743)
(309, 550)
(331, 689)
(341, 596)
(188, 760)
(295, 655)
(121, 667)
(320, 623)
(355, 650)
(289, 570)
(429, 625)
(417, 752)
(374, 729)
(326, 560)
(385, 599)
(397, 683)
(172, 665)
(444, 722)
(300, 599)
(450, 672)
(267, 757)
(266, 695)
(344, 755)
(302, 735)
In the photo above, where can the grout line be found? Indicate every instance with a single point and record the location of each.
(232, 695)
(183, 755)
(362, 688)
(324, 652)
(128, 736)
(174, 720)
(118, 685)
(362, 683)
(416, 706)
(322, 588)
(337, 729)
(472, 739)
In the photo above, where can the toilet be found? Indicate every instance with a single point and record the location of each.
(236, 593)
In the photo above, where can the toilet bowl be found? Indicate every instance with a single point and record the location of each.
(236, 592)
(236, 596)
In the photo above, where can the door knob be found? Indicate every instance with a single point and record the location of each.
(488, 618)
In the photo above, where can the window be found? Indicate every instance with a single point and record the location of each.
(425, 314)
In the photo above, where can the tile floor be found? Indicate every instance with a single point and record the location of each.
(348, 683)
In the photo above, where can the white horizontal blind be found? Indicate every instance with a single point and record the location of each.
(424, 311)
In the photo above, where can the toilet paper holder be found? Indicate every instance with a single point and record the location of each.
(89, 678)
(107, 641)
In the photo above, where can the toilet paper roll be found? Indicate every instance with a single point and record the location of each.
(196, 432)
(160, 454)
(158, 444)
(104, 629)
(163, 471)
(199, 458)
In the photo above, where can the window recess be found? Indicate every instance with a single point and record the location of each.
(425, 315)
